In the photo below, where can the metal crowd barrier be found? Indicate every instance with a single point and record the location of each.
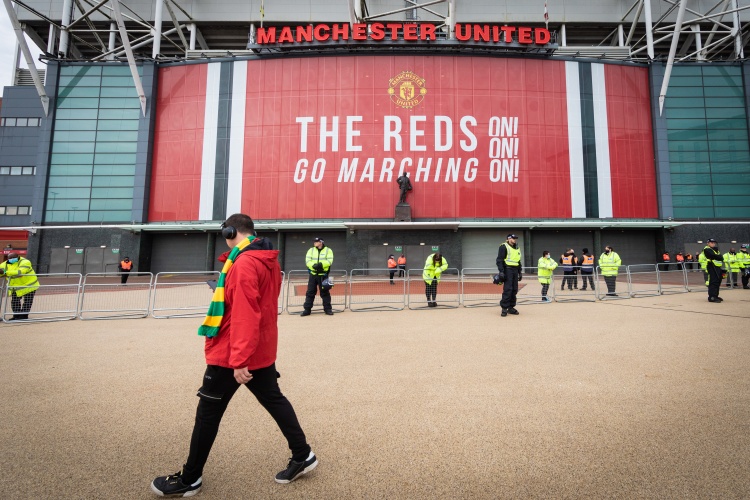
(104, 297)
(733, 280)
(644, 280)
(374, 290)
(672, 280)
(282, 292)
(602, 288)
(182, 295)
(56, 299)
(477, 289)
(448, 290)
(570, 288)
(530, 288)
(297, 287)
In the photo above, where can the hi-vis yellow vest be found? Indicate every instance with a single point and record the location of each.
(513, 256)
(21, 277)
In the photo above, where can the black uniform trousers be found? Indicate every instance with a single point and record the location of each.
(510, 287)
(218, 388)
(21, 305)
(714, 280)
(589, 277)
(314, 283)
(572, 278)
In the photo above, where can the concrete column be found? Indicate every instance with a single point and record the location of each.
(157, 28)
(210, 250)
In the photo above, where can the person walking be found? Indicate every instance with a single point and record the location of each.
(509, 269)
(433, 269)
(743, 258)
(609, 263)
(241, 333)
(402, 266)
(22, 284)
(318, 260)
(392, 267)
(731, 267)
(587, 269)
(125, 266)
(545, 267)
(714, 263)
(569, 263)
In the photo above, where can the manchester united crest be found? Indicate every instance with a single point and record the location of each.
(407, 89)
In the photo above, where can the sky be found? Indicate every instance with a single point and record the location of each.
(7, 51)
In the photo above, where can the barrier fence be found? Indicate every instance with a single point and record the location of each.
(56, 299)
(376, 290)
(182, 295)
(477, 289)
(570, 288)
(296, 289)
(672, 280)
(448, 291)
(187, 294)
(104, 296)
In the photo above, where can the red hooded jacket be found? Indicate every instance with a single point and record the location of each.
(248, 335)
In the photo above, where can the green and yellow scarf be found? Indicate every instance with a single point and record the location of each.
(212, 323)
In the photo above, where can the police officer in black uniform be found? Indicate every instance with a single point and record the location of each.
(714, 262)
(509, 273)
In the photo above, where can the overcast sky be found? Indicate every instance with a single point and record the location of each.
(7, 51)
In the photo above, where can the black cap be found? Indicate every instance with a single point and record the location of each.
(511, 236)
(315, 240)
(710, 240)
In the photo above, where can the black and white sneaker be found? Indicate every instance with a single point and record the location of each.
(296, 469)
(172, 486)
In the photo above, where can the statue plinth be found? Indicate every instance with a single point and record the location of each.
(403, 213)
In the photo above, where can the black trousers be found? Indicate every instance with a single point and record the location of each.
(714, 280)
(545, 288)
(610, 281)
(314, 283)
(510, 288)
(430, 290)
(572, 278)
(745, 278)
(124, 276)
(590, 278)
(391, 272)
(401, 270)
(21, 305)
(218, 388)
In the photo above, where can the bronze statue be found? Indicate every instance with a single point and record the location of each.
(405, 185)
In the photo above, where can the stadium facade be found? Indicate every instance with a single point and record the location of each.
(621, 123)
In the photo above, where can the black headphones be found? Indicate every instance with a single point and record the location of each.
(228, 232)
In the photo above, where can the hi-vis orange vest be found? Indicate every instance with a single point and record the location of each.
(665, 257)
(402, 260)
(588, 263)
(127, 266)
(679, 258)
(567, 263)
(391, 263)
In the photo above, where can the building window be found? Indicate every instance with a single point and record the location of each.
(11, 210)
(20, 122)
(17, 170)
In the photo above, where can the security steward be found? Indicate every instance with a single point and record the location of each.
(587, 269)
(22, 284)
(509, 271)
(402, 266)
(126, 265)
(392, 267)
(714, 262)
(609, 263)
(319, 260)
(731, 267)
(743, 258)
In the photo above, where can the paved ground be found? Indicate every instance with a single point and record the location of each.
(643, 398)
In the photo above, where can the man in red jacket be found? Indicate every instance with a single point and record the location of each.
(243, 352)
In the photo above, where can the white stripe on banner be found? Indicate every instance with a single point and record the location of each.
(601, 129)
(210, 124)
(575, 141)
(237, 137)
